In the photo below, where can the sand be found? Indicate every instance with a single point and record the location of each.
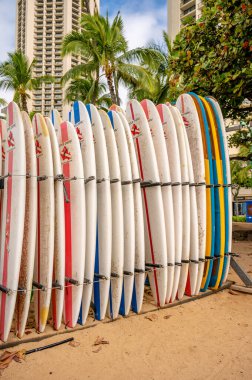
(206, 339)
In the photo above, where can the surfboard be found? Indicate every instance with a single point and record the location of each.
(191, 121)
(80, 118)
(219, 243)
(227, 188)
(13, 212)
(57, 298)
(117, 254)
(139, 249)
(56, 120)
(29, 238)
(210, 210)
(128, 212)
(173, 231)
(104, 217)
(155, 234)
(173, 126)
(43, 267)
(190, 262)
(75, 221)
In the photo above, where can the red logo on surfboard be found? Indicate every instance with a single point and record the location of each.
(11, 141)
(3, 153)
(79, 134)
(186, 122)
(135, 131)
(38, 148)
(65, 154)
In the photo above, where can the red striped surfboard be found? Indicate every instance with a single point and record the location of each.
(13, 211)
(75, 220)
(155, 238)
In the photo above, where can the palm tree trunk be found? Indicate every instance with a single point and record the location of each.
(24, 103)
(111, 87)
(116, 90)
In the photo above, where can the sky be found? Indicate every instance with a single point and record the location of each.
(144, 21)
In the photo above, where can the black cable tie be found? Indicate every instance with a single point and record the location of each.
(185, 183)
(56, 285)
(201, 260)
(194, 261)
(115, 275)
(229, 185)
(139, 270)
(178, 264)
(185, 261)
(170, 264)
(59, 177)
(217, 185)
(22, 290)
(42, 178)
(176, 183)
(150, 184)
(209, 186)
(5, 290)
(114, 180)
(87, 282)
(100, 180)
(200, 184)
(126, 183)
(70, 179)
(28, 175)
(154, 265)
(38, 286)
(128, 273)
(101, 276)
(192, 184)
(89, 179)
(72, 281)
(233, 254)
(166, 184)
(136, 180)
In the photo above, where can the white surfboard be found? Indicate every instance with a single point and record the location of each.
(80, 118)
(128, 211)
(191, 284)
(117, 254)
(190, 117)
(179, 125)
(155, 234)
(75, 220)
(13, 212)
(139, 249)
(43, 267)
(163, 161)
(29, 238)
(104, 217)
(59, 233)
(176, 166)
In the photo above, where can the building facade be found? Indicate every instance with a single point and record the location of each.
(178, 10)
(40, 28)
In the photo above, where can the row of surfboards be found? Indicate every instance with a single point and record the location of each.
(102, 199)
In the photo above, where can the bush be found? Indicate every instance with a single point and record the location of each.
(241, 218)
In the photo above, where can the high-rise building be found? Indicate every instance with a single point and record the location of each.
(40, 28)
(178, 10)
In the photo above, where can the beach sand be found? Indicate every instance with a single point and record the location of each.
(210, 338)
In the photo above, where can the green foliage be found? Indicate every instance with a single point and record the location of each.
(213, 54)
(239, 218)
(164, 84)
(2, 102)
(242, 139)
(104, 50)
(241, 173)
(88, 91)
(17, 74)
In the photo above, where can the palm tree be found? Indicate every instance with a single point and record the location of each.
(88, 91)
(17, 74)
(165, 85)
(104, 49)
